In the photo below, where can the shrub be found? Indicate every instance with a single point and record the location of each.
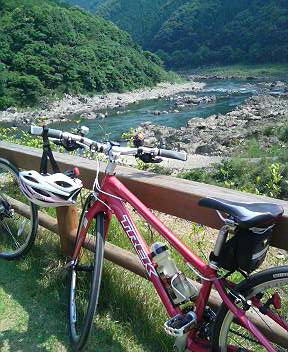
(261, 177)
(284, 134)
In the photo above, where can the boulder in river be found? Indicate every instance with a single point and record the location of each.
(222, 134)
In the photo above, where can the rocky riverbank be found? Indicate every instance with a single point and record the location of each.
(221, 135)
(258, 73)
(93, 107)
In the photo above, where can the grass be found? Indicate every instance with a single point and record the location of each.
(33, 305)
(31, 308)
(244, 71)
(252, 149)
(34, 296)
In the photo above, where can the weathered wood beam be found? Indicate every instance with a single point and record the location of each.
(167, 194)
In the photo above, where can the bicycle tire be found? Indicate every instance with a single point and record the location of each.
(9, 180)
(79, 334)
(270, 279)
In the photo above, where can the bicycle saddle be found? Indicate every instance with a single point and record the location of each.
(245, 214)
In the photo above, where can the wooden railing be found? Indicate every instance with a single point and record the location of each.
(166, 194)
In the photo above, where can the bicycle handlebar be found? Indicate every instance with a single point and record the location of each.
(171, 154)
(38, 131)
(106, 148)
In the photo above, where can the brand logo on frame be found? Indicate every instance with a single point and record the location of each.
(85, 222)
(131, 232)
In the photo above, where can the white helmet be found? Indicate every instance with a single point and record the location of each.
(49, 190)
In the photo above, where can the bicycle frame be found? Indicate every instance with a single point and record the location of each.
(110, 205)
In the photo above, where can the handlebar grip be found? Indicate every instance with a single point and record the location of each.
(173, 154)
(38, 131)
(55, 133)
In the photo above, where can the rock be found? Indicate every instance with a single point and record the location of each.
(12, 110)
(82, 99)
(201, 127)
(278, 84)
(156, 113)
(187, 100)
(205, 149)
(222, 134)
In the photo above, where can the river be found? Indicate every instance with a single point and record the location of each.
(229, 94)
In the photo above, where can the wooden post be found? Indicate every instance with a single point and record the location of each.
(67, 219)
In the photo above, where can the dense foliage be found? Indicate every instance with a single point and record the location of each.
(50, 48)
(259, 166)
(261, 177)
(90, 5)
(195, 32)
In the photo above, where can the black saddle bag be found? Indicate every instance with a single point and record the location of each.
(245, 250)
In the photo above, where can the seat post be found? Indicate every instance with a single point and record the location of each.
(221, 239)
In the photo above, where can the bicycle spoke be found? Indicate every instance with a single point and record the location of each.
(268, 293)
(9, 232)
(21, 227)
(242, 335)
(261, 317)
(18, 231)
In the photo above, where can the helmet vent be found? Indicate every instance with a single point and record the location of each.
(75, 195)
(32, 179)
(40, 191)
(61, 196)
(63, 184)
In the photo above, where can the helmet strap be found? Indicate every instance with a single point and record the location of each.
(47, 154)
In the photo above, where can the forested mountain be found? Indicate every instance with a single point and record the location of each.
(142, 19)
(49, 48)
(90, 5)
(195, 32)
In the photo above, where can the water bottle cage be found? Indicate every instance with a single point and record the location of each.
(183, 296)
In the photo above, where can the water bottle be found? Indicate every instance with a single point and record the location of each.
(179, 288)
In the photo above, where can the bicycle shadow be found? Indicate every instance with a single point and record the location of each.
(130, 310)
(42, 307)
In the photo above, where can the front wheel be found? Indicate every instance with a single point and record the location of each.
(85, 281)
(268, 293)
(18, 216)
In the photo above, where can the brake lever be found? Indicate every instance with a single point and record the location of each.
(148, 158)
(57, 142)
(69, 145)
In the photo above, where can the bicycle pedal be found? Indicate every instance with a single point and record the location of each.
(180, 324)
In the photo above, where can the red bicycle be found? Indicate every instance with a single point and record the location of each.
(253, 315)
